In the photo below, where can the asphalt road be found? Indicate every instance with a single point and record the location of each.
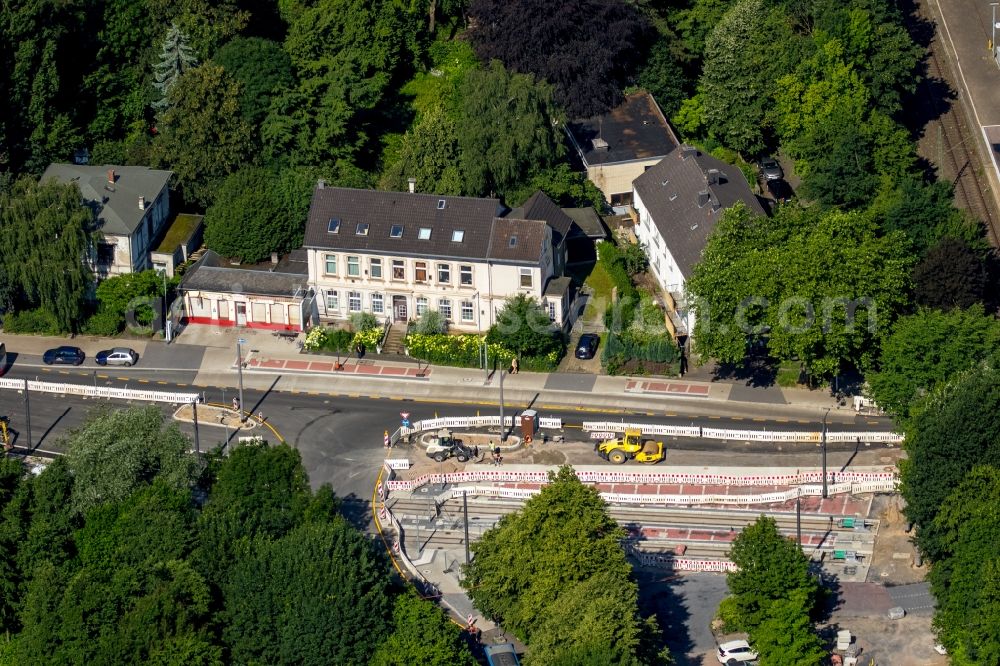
(339, 436)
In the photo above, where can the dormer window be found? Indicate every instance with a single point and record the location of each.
(441, 204)
(362, 229)
(333, 226)
(458, 235)
(396, 231)
(424, 233)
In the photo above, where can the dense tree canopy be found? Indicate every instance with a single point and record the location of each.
(587, 49)
(524, 328)
(956, 429)
(952, 275)
(263, 70)
(556, 575)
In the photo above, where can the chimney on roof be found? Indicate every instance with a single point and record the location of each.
(688, 151)
(412, 183)
(142, 203)
(713, 176)
(320, 184)
(599, 144)
(703, 198)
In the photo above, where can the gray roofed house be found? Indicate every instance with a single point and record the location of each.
(288, 277)
(588, 222)
(678, 202)
(401, 223)
(618, 146)
(540, 207)
(131, 205)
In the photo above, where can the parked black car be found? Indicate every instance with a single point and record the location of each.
(64, 356)
(780, 190)
(587, 346)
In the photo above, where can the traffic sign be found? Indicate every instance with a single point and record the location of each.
(241, 341)
(406, 423)
(405, 415)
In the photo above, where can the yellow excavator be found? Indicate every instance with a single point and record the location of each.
(631, 447)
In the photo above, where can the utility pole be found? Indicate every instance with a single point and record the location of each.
(194, 412)
(239, 366)
(993, 33)
(27, 414)
(824, 451)
(503, 426)
(798, 519)
(465, 513)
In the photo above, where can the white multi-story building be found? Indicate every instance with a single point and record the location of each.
(677, 204)
(398, 254)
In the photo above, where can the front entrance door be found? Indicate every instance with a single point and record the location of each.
(399, 308)
(241, 314)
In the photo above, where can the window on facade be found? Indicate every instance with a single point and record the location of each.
(444, 307)
(420, 271)
(105, 254)
(376, 269)
(398, 269)
(444, 273)
(353, 267)
(378, 304)
(424, 233)
(552, 311)
(467, 311)
(465, 275)
(421, 306)
(458, 235)
(332, 301)
(354, 301)
(526, 278)
(331, 264)
(624, 199)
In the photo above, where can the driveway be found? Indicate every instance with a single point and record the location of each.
(571, 363)
(685, 605)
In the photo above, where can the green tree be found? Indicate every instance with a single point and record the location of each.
(663, 76)
(786, 637)
(46, 236)
(263, 70)
(820, 286)
(539, 561)
(735, 81)
(565, 186)
(115, 452)
(176, 57)
(125, 299)
(770, 568)
(421, 634)
(927, 348)
(524, 328)
(315, 596)
(925, 212)
(955, 429)
(202, 137)
(952, 275)
(258, 211)
(208, 23)
(429, 153)
(505, 129)
(966, 577)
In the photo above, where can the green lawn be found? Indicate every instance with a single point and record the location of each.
(600, 284)
(788, 374)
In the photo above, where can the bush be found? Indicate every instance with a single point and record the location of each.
(364, 321)
(465, 351)
(329, 339)
(105, 323)
(39, 321)
(431, 322)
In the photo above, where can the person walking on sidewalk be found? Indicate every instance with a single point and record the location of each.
(497, 457)
(513, 366)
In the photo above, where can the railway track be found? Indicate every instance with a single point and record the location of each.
(957, 158)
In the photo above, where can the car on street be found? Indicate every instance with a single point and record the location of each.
(779, 190)
(738, 651)
(64, 355)
(587, 346)
(770, 169)
(117, 356)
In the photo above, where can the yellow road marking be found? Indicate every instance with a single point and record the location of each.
(737, 418)
(715, 417)
(759, 419)
(781, 420)
(143, 381)
(164, 383)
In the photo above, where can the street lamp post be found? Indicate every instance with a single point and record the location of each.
(239, 366)
(993, 33)
(824, 451)
(503, 426)
(484, 356)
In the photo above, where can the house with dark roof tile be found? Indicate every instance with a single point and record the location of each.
(617, 147)
(677, 204)
(399, 254)
(131, 207)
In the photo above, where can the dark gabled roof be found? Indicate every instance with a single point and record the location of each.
(540, 207)
(288, 278)
(558, 286)
(381, 211)
(634, 130)
(529, 238)
(115, 203)
(587, 221)
(685, 194)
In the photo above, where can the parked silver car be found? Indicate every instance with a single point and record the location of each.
(117, 356)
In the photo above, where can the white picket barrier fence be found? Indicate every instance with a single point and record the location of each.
(891, 437)
(100, 391)
(759, 435)
(473, 422)
(740, 435)
(646, 428)
(397, 463)
(682, 563)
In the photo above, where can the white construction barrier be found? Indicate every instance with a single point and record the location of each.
(890, 437)
(397, 463)
(759, 435)
(646, 428)
(100, 391)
